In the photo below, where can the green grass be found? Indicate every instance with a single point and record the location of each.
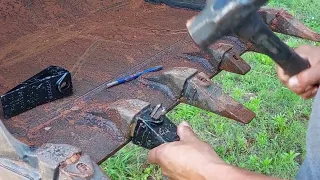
(273, 144)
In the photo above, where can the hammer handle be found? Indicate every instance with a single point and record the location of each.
(267, 42)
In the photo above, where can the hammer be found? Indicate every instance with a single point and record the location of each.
(239, 17)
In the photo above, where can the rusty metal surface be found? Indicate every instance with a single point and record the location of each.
(96, 41)
(116, 37)
(49, 161)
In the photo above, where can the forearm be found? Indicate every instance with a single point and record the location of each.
(228, 172)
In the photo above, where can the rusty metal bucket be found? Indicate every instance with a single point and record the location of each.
(96, 42)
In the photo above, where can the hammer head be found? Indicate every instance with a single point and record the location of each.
(220, 18)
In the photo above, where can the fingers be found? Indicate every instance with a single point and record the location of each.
(314, 92)
(284, 78)
(309, 77)
(304, 85)
(304, 51)
(310, 53)
(295, 86)
(307, 82)
(186, 133)
(310, 93)
(155, 154)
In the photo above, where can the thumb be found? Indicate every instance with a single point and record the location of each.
(306, 78)
(186, 133)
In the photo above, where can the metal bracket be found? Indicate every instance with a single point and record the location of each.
(149, 125)
(50, 84)
(150, 133)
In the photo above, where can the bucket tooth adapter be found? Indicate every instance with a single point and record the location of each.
(189, 86)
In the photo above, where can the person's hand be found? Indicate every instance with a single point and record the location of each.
(306, 83)
(189, 158)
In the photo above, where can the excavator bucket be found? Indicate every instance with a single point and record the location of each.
(100, 41)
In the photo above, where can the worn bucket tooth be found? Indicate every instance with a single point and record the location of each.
(282, 22)
(201, 92)
(187, 85)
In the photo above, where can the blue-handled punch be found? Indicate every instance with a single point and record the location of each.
(133, 76)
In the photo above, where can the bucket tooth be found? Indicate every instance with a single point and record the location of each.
(282, 22)
(188, 86)
(201, 92)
